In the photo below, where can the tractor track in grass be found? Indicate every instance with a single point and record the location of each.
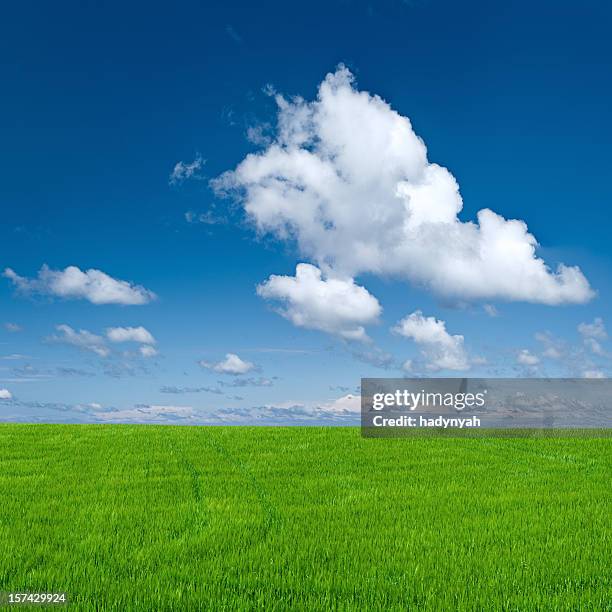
(270, 513)
(201, 511)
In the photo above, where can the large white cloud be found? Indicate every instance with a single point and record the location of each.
(72, 283)
(5, 394)
(130, 334)
(440, 350)
(349, 180)
(334, 305)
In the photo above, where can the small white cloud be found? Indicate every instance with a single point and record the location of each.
(343, 405)
(527, 358)
(183, 170)
(596, 329)
(81, 339)
(72, 283)
(553, 347)
(130, 334)
(490, 310)
(232, 364)
(346, 405)
(5, 394)
(148, 351)
(12, 327)
(231, 32)
(333, 305)
(441, 350)
(552, 352)
(594, 346)
(592, 334)
(206, 218)
(593, 374)
(147, 413)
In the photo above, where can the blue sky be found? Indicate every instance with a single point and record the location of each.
(101, 102)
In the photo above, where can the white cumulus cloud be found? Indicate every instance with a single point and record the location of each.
(441, 350)
(81, 339)
(526, 358)
(553, 347)
(346, 404)
(348, 179)
(186, 170)
(593, 374)
(130, 334)
(596, 329)
(232, 364)
(333, 305)
(72, 283)
(147, 351)
(5, 394)
(593, 334)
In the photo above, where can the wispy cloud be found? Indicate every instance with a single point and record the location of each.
(210, 217)
(248, 382)
(183, 171)
(81, 339)
(182, 390)
(231, 32)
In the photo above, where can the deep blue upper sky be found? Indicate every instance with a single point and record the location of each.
(99, 101)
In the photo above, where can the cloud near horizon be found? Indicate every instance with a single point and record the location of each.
(348, 179)
(593, 334)
(72, 283)
(527, 358)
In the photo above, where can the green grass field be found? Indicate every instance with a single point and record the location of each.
(188, 518)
